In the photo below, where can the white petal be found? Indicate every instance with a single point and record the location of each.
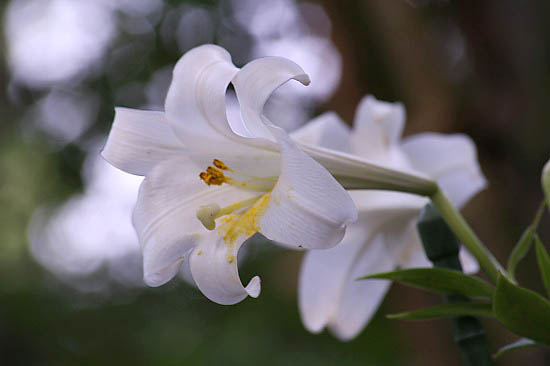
(328, 130)
(323, 275)
(308, 207)
(469, 263)
(377, 127)
(255, 82)
(360, 299)
(328, 294)
(140, 139)
(195, 104)
(407, 247)
(165, 215)
(404, 243)
(214, 269)
(451, 160)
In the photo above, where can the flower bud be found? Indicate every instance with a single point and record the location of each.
(546, 182)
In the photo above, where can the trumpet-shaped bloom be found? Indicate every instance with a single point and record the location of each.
(211, 183)
(385, 236)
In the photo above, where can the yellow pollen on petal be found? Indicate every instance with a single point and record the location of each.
(247, 224)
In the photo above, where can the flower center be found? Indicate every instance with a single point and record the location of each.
(241, 217)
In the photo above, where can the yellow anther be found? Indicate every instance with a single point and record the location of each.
(220, 164)
(213, 176)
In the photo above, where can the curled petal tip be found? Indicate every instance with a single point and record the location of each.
(254, 287)
(304, 79)
(154, 279)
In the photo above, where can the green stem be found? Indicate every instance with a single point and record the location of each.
(538, 215)
(466, 235)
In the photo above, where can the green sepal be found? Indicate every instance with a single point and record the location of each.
(523, 311)
(519, 344)
(544, 264)
(439, 280)
(446, 311)
(520, 250)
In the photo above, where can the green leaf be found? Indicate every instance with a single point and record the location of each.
(544, 264)
(523, 311)
(524, 243)
(521, 343)
(440, 280)
(446, 311)
(520, 250)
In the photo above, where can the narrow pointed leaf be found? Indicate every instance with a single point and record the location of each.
(446, 311)
(438, 280)
(520, 250)
(524, 243)
(544, 263)
(523, 311)
(519, 344)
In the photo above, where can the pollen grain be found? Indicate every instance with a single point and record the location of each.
(246, 224)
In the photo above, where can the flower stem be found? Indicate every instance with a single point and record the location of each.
(466, 235)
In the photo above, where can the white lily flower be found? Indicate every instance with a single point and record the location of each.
(210, 183)
(385, 235)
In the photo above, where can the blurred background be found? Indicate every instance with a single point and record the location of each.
(71, 287)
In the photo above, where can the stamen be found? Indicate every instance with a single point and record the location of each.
(213, 175)
(220, 165)
(209, 213)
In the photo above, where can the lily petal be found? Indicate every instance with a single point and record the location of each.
(195, 103)
(328, 130)
(469, 263)
(255, 83)
(351, 318)
(323, 275)
(406, 245)
(328, 292)
(165, 215)
(308, 208)
(140, 139)
(451, 160)
(408, 248)
(377, 127)
(214, 269)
